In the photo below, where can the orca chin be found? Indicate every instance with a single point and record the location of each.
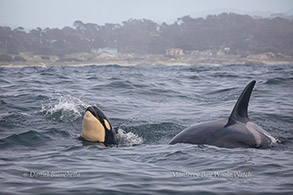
(235, 131)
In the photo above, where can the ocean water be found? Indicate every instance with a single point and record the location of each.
(41, 111)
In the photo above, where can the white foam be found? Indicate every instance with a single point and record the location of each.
(129, 138)
(69, 108)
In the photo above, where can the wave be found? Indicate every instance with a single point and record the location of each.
(222, 90)
(159, 133)
(29, 138)
(65, 109)
(33, 138)
(10, 120)
(128, 138)
(278, 81)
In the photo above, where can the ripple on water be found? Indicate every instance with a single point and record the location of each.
(29, 139)
(41, 116)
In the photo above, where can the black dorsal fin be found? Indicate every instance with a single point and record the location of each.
(240, 109)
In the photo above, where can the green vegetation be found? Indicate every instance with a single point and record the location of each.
(231, 34)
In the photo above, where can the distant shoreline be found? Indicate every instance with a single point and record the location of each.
(86, 59)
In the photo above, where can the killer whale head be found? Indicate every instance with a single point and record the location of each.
(96, 127)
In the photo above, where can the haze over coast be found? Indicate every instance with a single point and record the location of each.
(198, 38)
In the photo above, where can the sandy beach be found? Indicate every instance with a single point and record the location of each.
(84, 59)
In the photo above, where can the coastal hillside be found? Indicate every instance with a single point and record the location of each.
(227, 34)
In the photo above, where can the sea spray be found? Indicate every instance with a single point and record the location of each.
(128, 138)
(65, 108)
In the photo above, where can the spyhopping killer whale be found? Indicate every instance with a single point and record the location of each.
(236, 131)
(96, 128)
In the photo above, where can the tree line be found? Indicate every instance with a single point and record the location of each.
(242, 34)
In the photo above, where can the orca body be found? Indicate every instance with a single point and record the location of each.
(236, 131)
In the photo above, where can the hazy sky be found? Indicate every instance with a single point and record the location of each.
(59, 13)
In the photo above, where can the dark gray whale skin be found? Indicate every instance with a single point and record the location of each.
(233, 132)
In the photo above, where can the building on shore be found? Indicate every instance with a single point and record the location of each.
(174, 52)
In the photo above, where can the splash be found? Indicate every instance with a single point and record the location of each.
(128, 139)
(65, 108)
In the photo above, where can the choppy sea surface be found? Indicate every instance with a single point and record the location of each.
(41, 111)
